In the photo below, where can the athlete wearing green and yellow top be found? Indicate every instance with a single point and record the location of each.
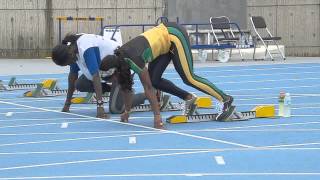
(157, 47)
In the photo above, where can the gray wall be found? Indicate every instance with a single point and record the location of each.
(296, 21)
(29, 27)
(201, 10)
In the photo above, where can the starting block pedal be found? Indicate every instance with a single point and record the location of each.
(204, 102)
(90, 98)
(13, 85)
(265, 111)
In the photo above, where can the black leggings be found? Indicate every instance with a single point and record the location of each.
(156, 69)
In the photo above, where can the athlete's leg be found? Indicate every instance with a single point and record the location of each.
(156, 69)
(85, 85)
(183, 62)
(116, 103)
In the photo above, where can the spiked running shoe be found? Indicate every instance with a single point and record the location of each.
(226, 115)
(188, 104)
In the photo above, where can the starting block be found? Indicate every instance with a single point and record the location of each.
(42, 90)
(264, 111)
(90, 98)
(13, 85)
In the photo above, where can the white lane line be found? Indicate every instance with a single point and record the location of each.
(268, 125)
(74, 122)
(266, 80)
(54, 107)
(101, 160)
(40, 119)
(134, 125)
(106, 151)
(102, 151)
(108, 159)
(78, 139)
(46, 124)
(220, 160)
(291, 145)
(17, 100)
(272, 88)
(251, 69)
(172, 175)
(186, 131)
(72, 133)
(255, 75)
(23, 112)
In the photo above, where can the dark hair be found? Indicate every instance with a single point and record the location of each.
(62, 53)
(71, 39)
(124, 75)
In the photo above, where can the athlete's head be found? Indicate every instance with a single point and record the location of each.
(65, 54)
(123, 69)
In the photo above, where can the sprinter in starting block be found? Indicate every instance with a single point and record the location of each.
(83, 52)
(148, 55)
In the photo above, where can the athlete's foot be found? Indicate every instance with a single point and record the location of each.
(227, 103)
(226, 115)
(159, 125)
(124, 117)
(188, 103)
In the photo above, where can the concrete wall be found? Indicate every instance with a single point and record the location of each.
(201, 10)
(29, 27)
(296, 21)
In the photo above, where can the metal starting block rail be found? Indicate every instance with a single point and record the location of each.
(41, 91)
(14, 85)
(90, 98)
(147, 107)
(201, 102)
(264, 111)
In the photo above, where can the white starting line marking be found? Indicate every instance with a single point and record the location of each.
(64, 125)
(220, 160)
(132, 140)
(8, 114)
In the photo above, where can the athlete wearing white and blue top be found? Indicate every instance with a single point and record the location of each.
(83, 52)
(91, 49)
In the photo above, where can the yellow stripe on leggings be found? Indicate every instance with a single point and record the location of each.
(187, 72)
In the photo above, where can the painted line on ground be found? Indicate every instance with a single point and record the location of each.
(79, 139)
(133, 125)
(101, 151)
(100, 160)
(144, 175)
(40, 119)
